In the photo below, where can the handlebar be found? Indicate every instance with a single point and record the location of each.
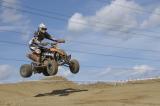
(58, 41)
(52, 44)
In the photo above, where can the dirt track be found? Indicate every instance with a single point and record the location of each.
(51, 93)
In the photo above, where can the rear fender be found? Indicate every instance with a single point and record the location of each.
(57, 51)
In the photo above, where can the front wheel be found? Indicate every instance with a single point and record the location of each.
(74, 66)
(26, 70)
(51, 67)
(45, 73)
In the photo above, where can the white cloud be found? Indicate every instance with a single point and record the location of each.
(13, 18)
(77, 23)
(5, 72)
(142, 69)
(138, 71)
(153, 20)
(108, 17)
(107, 71)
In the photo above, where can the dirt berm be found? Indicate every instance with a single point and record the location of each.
(58, 91)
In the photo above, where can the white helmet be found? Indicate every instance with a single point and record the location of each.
(42, 28)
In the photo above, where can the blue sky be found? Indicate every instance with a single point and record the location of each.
(98, 21)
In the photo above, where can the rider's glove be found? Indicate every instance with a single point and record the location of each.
(61, 41)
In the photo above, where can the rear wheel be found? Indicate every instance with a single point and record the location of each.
(74, 66)
(26, 70)
(51, 67)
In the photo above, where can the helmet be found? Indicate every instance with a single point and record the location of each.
(42, 28)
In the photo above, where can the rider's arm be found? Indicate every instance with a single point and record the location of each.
(39, 44)
(48, 36)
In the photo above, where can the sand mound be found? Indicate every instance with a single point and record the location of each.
(49, 92)
(56, 78)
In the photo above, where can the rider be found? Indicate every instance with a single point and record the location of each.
(36, 42)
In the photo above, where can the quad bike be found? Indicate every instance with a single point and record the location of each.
(50, 59)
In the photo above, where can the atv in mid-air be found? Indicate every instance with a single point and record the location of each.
(51, 58)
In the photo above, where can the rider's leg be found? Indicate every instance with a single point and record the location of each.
(38, 54)
(35, 55)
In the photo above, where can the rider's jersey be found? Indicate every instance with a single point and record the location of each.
(38, 37)
(34, 41)
(42, 36)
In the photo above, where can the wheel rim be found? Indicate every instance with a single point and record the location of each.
(51, 68)
(23, 72)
